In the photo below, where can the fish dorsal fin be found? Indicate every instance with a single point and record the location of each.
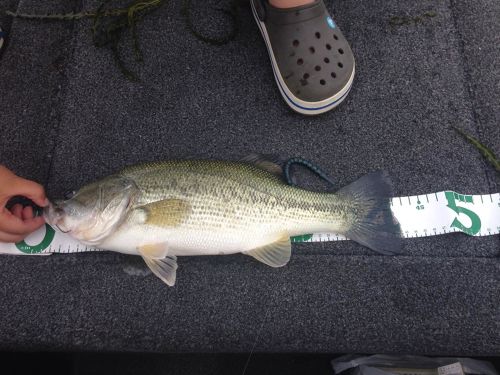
(264, 162)
(275, 254)
(161, 264)
(167, 212)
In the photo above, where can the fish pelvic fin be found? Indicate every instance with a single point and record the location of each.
(161, 264)
(375, 225)
(275, 254)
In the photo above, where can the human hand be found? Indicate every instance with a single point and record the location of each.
(18, 222)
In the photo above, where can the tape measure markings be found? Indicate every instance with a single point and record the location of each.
(451, 212)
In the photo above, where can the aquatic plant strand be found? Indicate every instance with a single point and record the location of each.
(485, 151)
(108, 26)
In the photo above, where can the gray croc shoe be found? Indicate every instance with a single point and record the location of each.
(312, 61)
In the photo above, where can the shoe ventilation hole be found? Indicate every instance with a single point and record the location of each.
(297, 92)
(317, 68)
(327, 60)
(335, 37)
(341, 51)
(323, 82)
(295, 43)
(306, 75)
(340, 65)
(334, 75)
(328, 47)
(318, 35)
(312, 50)
(300, 62)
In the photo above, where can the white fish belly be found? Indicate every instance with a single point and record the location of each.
(189, 242)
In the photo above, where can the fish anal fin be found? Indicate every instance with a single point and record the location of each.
(275, 254)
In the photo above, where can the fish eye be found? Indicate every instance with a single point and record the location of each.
(68, 194)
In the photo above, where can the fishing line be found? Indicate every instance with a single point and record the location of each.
(309, 165)
(255, 341)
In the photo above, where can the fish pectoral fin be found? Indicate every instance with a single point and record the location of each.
(161, 264)
(167, 212)
(275, 254)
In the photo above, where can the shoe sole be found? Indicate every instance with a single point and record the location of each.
(298, 105)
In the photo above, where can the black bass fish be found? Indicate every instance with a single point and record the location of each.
(205, 207)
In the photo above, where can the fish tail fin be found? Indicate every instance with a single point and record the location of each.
(374, 224)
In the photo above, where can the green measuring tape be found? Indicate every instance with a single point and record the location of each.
(419, 216)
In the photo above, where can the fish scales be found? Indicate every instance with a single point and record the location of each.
(232, 194)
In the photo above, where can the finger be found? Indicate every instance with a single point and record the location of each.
(10, 223)
(29, 189)
(10, 238)
(27, 213)
(17, 210)
(13, 225)
(34, 223)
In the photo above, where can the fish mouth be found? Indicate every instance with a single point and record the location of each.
(52, 215)
(58, 227)
(48, 213)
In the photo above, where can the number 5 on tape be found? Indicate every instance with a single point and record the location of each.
(452, 199)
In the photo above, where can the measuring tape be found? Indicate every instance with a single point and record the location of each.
(437, 213)
(419, 216)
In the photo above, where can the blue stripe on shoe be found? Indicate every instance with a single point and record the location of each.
(306, 108)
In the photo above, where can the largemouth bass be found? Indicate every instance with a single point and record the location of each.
(206, 207)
